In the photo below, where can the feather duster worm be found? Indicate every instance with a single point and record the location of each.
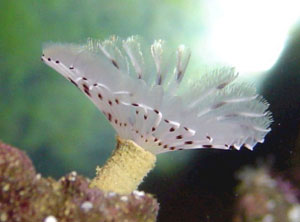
(149, 108)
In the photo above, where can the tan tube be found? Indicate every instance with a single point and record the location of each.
(126, 168)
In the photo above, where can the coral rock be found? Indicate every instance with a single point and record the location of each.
(265, 198)
(26, 196)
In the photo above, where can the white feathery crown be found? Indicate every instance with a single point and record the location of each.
(146, 102)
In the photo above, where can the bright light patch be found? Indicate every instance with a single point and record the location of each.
(250, 35)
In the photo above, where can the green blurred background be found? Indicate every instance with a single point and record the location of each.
(62, 131)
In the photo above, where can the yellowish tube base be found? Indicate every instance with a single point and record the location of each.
(126, 168)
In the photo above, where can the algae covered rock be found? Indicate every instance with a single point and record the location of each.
(266, 198)
(26, 196)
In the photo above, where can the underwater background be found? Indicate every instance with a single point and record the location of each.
(41, 113)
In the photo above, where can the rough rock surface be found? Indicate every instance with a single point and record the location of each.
(265, 198)
(26, 196)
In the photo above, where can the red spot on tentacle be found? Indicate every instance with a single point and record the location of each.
(208, 137)
(115, 64)
(86, 89)
(188, 142)
(222, 85)
(74, 83)
(109, 117)
(232, 147)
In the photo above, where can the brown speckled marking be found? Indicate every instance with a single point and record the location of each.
(188, 142)
(179, 74)
(156, 111)
(218, 105)
(117, 101)
(207, 146)
(165, 146)
(232, 147)
(86, 89)
(172, 129)
(222, 85)
(109, 117)
(115, 64)
(155, 140)
(179, 137)
(110, 102)
(49, 59)
(153, 129)
(57, 61)
(74, 83)
(145, 117)
(172, 148)
(100, 96)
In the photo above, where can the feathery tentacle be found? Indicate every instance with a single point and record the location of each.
(148, 106)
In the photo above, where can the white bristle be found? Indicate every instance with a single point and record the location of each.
(148, 104)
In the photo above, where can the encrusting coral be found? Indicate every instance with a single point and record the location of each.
(25, 196)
